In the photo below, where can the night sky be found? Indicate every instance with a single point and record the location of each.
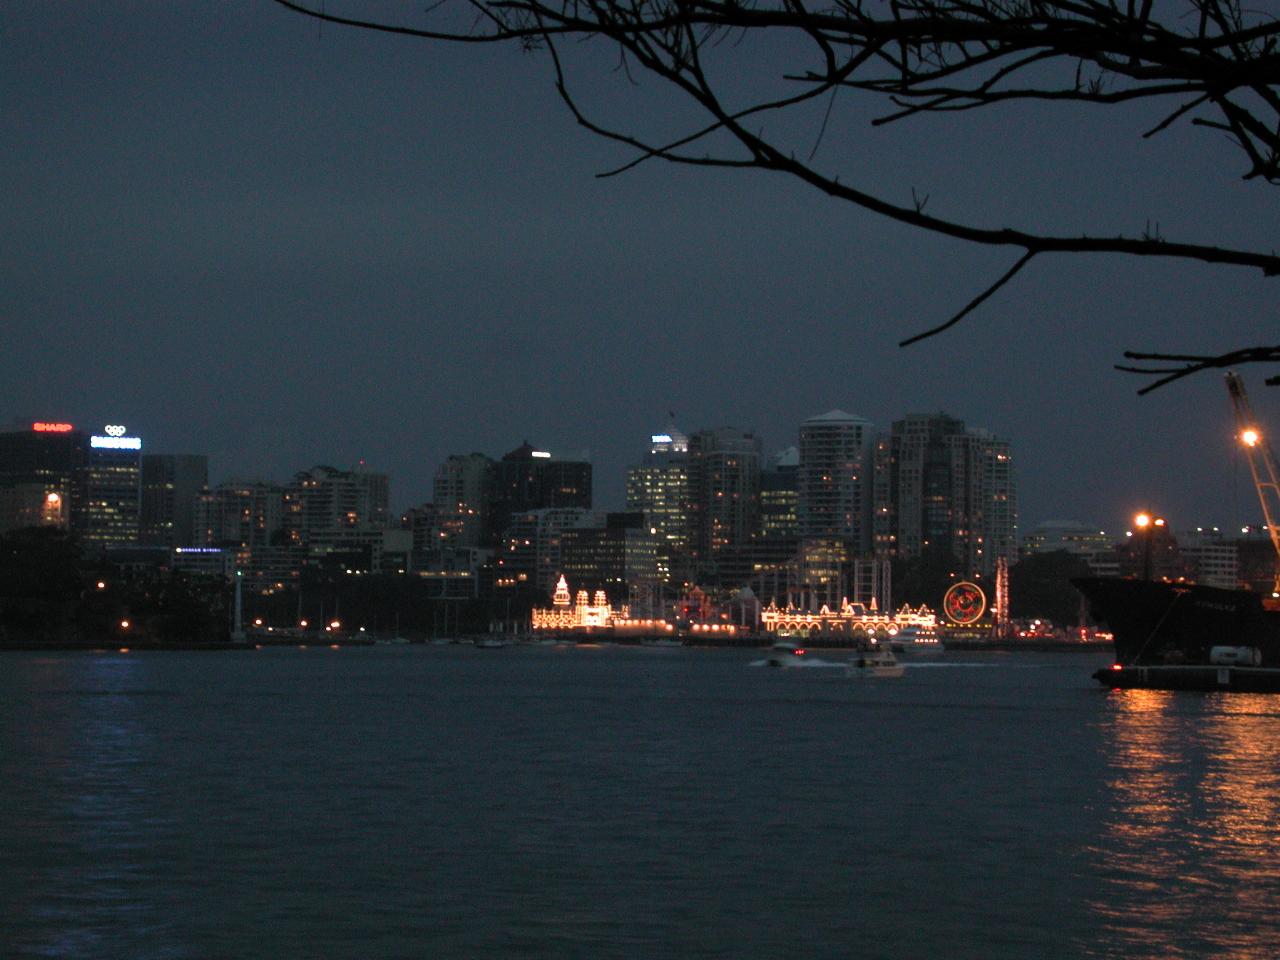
(245, 235)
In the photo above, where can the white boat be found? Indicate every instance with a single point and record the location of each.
(786, 653)
(912, 639)
(879, 662)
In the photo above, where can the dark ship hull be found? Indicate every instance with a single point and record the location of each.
(1179, 637)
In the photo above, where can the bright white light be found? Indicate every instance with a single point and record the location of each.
(115, 443)
(115, 430)
(541, 454)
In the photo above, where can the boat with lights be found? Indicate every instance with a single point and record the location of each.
(876, 663)
(786, 653)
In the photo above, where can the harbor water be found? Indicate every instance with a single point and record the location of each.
(593, 802)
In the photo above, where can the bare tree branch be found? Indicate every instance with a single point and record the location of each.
(1212, 63)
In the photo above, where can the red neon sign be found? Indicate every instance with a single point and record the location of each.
(42, 427)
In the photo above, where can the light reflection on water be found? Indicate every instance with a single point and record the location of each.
(1187, 854)
(452, 803)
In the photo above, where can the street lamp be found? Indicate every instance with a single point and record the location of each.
(1145, 522)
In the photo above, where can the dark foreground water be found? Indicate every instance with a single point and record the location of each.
(614, 802)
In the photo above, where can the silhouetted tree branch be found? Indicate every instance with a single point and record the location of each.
(1193, 363)
(1215, 63)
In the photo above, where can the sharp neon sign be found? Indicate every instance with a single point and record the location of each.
(41, 427)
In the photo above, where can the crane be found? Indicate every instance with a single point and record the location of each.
(1266, 479)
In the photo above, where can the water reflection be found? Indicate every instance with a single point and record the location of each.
(1189, 815)
(90, 762)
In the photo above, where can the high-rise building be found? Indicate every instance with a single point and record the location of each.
(834, 479)
(171, 483)
(239, 515)
(939, 485)
(659, 487)
(90, 482)
(616, 557)
(107, 512)
(530, 479)
(40, 465)
(327, 509)
(463, 493)
(780, 496)
(724, 480)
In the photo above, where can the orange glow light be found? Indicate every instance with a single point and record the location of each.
(124, 624)
(1250, 437)
(42, 427)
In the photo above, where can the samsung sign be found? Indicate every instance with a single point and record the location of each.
(115, 439)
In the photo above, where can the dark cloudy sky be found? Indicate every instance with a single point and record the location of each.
(244, 235)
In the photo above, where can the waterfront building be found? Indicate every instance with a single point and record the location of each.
(588, 613)
(171, 484)
(834, 485)
(659, 487)
(937, 484)
(851, 623)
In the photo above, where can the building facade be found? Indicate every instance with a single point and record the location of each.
(171, 484)
(938, 485)
(834, 481)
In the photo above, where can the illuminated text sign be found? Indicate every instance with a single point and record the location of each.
(541, 454)
(115, 443)
(41, 427)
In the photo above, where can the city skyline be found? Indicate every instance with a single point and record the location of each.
(610, 487)
(285, 245)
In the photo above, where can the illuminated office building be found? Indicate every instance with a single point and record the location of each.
(87, 481)
(780, 496)
(108, 513)
(660, 489)
(40, 464)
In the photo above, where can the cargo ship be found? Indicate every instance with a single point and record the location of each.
(1180, 636)
(1174, 636)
